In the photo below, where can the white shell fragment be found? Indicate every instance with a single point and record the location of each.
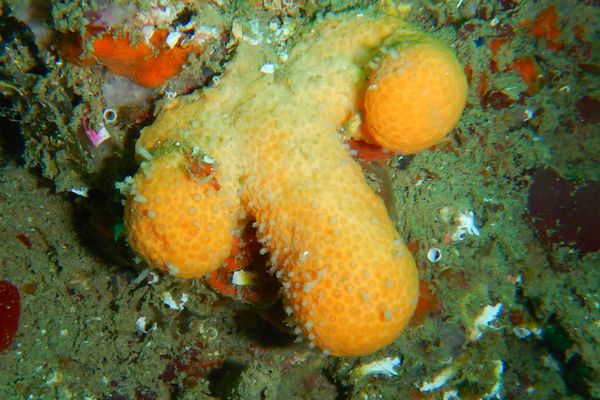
(244, 278)
(384, 367)
(168, 300)
(141, 325)
(523, 331)
(82, 191)
(450, 395)
(172, 39)
(439, 380)
(482, 322)
(267, 68)
(495, 392)
(148, 32)
(466, 226)
(98, 136)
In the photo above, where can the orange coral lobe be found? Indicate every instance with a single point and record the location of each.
(180, 223)
(403, 116)
(143, 64)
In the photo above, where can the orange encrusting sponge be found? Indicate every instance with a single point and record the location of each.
(148, 65)
(415, 96)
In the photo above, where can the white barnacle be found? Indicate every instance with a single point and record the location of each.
(434, 255)
(109, 115)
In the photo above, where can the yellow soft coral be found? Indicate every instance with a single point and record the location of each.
(268, 146)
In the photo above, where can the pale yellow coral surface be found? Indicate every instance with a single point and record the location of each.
(350, 285)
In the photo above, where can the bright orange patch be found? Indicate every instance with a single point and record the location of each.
(545, 26)
(426, 305)
(143, 64)
(526, 69)
(369, 152)
(482, 85)
(219, 279)
(245, 258)
(427, 300)
(495, 45)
